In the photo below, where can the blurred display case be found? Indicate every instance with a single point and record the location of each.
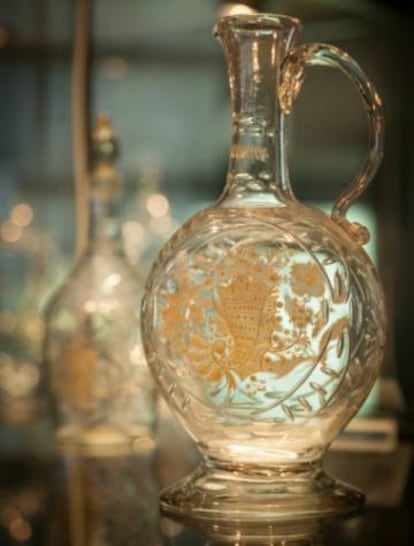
(155, 67)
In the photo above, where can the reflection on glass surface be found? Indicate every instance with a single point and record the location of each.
(106, 500)
(220, 533)
(234, 8)
(24, 495)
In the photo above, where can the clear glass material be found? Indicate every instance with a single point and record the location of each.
(263, 319)
(149, 221)
(98, 379)
(292, 533)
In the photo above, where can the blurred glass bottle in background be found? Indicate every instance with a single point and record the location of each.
(148, 221)
(99, 383)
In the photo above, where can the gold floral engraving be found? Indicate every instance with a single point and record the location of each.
(307, 279)
(249, 311)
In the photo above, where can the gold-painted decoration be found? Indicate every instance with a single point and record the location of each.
(251, 312)
(249, 151)
(78, 375)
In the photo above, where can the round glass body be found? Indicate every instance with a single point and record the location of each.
(265, 331)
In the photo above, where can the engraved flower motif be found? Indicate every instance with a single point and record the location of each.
(219, 350)
(307, 280)
(300, 315)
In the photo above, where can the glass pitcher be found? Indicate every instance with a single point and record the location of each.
(263, 319)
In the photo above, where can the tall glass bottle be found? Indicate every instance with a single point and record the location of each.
(99, 383)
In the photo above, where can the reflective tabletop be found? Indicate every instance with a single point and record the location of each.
(109, 497)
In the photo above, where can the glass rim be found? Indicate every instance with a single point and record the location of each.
(260, 21)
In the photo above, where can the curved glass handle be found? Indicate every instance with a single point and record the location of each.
(293, 71)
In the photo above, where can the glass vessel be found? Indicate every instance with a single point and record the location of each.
(149, 222)
(263, 319)
(99, 383)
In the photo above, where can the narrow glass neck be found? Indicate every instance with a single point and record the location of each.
(105, 211)
(105, 224)
(258, 171)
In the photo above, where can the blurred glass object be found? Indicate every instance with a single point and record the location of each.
(114, 68)
(34, 45)
(28, 275)
(107, 500)
(97, 376)
(235, 8)
(149, 220)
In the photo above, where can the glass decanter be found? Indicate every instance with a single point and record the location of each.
(263, 319)
(99, 383)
